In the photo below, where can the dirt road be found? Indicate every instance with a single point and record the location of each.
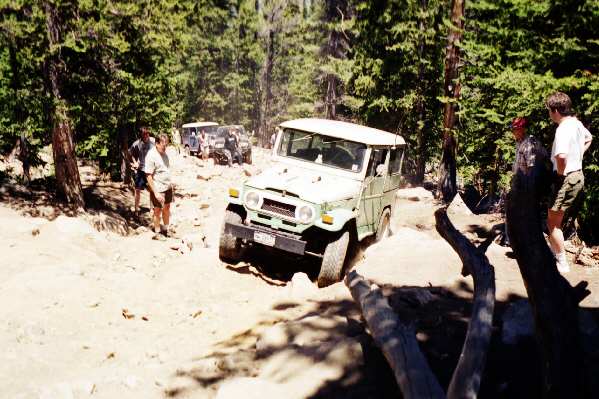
(91, 313)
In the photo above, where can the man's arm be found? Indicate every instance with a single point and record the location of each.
(587, 140)
(560, 161)
(159, 196)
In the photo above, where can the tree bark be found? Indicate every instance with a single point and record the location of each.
(447, 169)
(421, 157)
(396, 340)
(65, 163)
(553, 300)
(467, 375)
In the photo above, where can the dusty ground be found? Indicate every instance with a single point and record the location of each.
(114, 314)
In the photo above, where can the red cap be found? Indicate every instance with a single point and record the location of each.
(519, 122)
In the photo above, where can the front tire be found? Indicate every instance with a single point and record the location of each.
(229, 248)
(333, 260)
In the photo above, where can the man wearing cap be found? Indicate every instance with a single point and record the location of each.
(571, 140)
(529, 152)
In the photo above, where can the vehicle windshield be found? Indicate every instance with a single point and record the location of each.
(198, 129)
(321, 149)
(222, 131)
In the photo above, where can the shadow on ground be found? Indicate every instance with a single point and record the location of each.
(440, 323)
(107, 204)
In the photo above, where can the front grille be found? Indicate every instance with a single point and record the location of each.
(279, 208)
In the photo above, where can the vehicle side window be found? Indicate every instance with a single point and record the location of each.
(378, 157)
(395, 160)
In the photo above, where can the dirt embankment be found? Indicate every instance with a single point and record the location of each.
(95, 308)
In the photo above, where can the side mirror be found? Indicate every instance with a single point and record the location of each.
(380, 169)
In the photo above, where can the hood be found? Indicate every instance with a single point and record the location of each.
(309, 185)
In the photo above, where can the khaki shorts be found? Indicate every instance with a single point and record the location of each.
(566, 190)
(168, 198)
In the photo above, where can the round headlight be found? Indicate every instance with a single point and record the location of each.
(305, 214)
(252, 199)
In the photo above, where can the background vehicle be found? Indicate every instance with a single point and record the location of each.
(217, 148)
(333, 183)
(191, 131)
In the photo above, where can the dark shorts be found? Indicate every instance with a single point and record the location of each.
(168, 198)
(140, 179)
(566, 190)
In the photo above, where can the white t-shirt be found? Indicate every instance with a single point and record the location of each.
(570, 137)
(157, 165)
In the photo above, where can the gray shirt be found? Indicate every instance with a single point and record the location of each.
(139, 150)
(158, 166)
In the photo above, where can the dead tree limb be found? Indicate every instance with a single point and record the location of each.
(553, 300)
(466, 378)
(396, 340)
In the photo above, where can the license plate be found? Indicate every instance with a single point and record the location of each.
(264, 238)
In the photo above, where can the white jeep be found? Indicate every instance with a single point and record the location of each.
(333, 183)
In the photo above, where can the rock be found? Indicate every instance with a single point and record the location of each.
(300, 287)
(204, 205)
(73, 225)
(131, 382)
(204, 175)
(518, 322)
(57, 391)
(273, 338)
(35, 232)
(415, 194)
(251, 388)
(458, 206)
(248, 170)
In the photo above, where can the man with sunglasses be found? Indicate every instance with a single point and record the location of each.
(571, 140)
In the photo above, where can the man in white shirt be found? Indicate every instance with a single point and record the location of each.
(571, 140)
(158, 172)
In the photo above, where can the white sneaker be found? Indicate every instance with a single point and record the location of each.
(562, 263)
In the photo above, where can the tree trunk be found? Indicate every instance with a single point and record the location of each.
(268, 86)
(421, 157)
(447, 169)
(124, 154)
(65, 163)
(553, 300)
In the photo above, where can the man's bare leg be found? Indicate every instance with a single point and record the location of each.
(157, 213)
(556, 238)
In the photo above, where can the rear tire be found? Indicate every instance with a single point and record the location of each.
(333, 260)
(229, 248)
(384, 229)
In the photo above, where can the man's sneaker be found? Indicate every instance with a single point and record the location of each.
(562, 263)
(158, 237)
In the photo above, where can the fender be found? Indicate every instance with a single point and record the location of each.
(340, 218)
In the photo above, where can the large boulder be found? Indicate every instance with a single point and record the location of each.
(415, 194)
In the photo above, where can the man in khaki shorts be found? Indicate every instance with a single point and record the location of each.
(157, 170)
(571, 140)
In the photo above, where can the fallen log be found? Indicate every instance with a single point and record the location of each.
(396, 340)
(465, 381)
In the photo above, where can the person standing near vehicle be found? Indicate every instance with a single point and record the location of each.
(571, 140)
(232, 145)
(138, 151)
(158, 172)
(204, 145)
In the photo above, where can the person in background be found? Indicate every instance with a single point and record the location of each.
(232, 145)
(571, 140)
(137, 152)
(157, 169)
(203, 145)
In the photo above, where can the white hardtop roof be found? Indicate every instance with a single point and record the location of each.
(200, 124)
(346, 131)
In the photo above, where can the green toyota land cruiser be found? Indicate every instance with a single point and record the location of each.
(332, 184)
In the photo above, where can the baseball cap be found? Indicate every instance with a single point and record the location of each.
(518, 122)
